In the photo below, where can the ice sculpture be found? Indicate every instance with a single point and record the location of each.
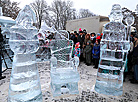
(129, 21)
(44, 36)
(64, 75)
(24, 81)
(114, 48)
(6, 52)
(64, 33)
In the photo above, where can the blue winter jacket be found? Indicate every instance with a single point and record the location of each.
(96, 51)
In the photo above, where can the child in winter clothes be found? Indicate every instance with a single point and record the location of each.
(96, 53)
(76, 51)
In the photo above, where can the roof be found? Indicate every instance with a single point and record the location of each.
(4, 19)
(93, 17)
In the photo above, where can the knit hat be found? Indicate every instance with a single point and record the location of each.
(77, 45)
(80, 29)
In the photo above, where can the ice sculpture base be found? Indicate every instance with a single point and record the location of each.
(103, 88)
(19, 98)
(64, 82)
(24, 82)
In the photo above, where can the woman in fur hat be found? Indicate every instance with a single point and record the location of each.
(87, 38)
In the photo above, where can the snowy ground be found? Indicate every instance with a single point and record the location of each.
(86, 87)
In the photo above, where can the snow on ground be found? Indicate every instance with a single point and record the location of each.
(86, 87)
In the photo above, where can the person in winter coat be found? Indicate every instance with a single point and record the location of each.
(96, 53)
(88, 53)
(76, 38)
(87, 38)
(84, 32)
(77, 51)
(72, 35)
(99, 37)
(81, 38)
(129, 65)
(135, 59)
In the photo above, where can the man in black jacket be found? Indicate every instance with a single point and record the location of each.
(1, 46)
(135, 60)
(81, 38)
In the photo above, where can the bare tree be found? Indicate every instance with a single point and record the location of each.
(10, 9)
(83, 13)
(61, 11)
(48, 18)
(58, 13)
(40, 7)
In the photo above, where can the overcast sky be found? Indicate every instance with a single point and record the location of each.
(100, 7)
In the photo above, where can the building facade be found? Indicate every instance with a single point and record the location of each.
(91, 24)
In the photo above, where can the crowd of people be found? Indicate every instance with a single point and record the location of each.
(87, 48)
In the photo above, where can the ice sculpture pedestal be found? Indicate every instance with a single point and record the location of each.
(24, 82)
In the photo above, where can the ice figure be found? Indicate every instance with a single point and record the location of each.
(24, 81)
(64, 75)
(6, 52)
(44, 35)
(64, 33)
(114, 48)
(53, 29)
(45, 30)
(129, 21)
